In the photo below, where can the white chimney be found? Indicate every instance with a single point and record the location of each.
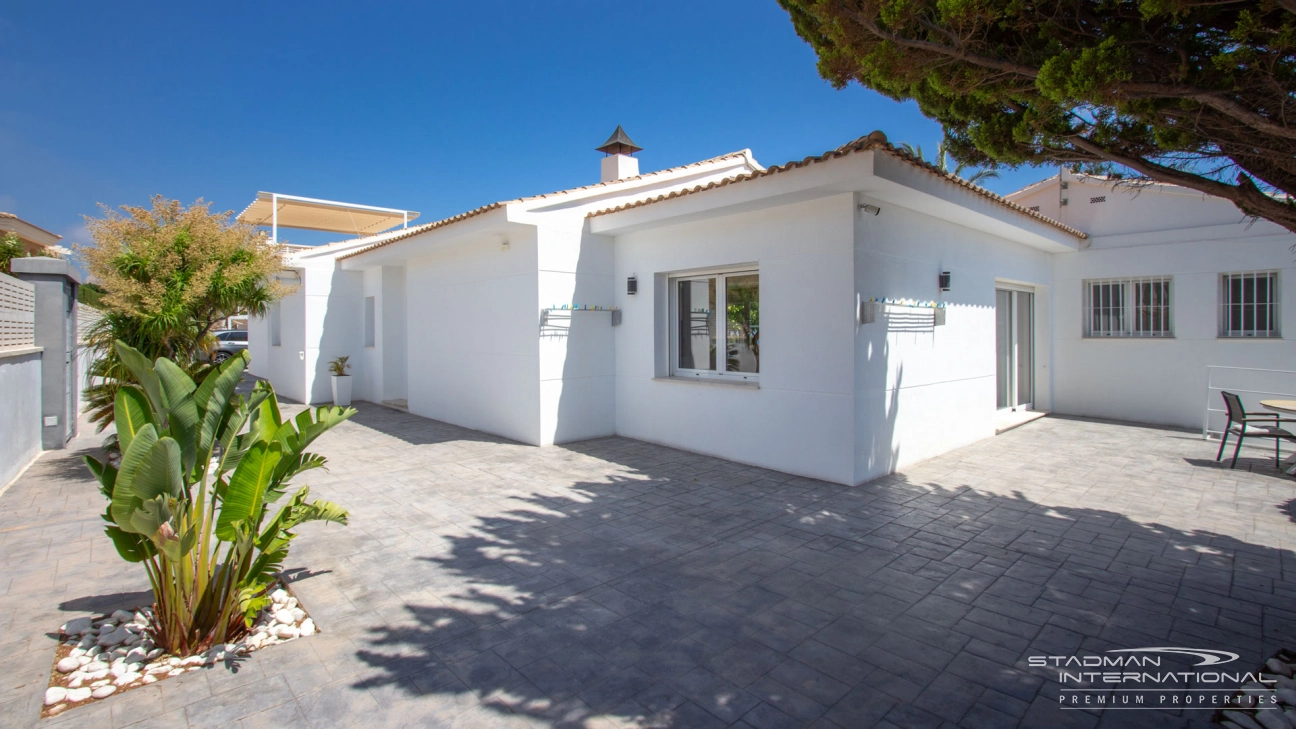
(619, 162)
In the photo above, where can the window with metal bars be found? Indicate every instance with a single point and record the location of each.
(1128, 307)
(1249, 304)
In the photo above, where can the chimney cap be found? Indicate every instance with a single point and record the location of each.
(619, 143)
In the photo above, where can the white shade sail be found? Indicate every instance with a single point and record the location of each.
(304, 213)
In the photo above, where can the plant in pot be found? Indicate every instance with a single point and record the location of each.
(341, 381)
(193, 496)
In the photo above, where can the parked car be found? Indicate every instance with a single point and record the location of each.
(229, 343)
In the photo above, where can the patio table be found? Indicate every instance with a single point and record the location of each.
(1283, 407)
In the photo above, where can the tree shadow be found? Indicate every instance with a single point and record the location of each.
(693, 592)
(71, 466)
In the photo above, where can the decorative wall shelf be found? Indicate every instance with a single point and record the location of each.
(546, 313)
(873, 309)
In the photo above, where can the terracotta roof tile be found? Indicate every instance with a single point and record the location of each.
(416, 230)
(875, 140)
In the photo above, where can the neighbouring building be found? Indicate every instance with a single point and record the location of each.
(35, 240)
(836, 317)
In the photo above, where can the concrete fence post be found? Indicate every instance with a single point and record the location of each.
(56, 283)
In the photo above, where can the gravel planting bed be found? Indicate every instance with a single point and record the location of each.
(101, 656)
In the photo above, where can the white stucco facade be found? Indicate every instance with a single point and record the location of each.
(1162, 231)
(462, 320)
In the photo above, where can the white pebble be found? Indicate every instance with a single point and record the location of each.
(76, 682)
(153, 653)
(149, 678)
(176, 672)
(68, 665)
(55, 694)
(78, 694)
(128, 678)
(298, 615)
(103, 692)
(77, 626)
(290, 603)
(279, 596)
(113, 638)
(286, 632)
(307, 627)
(284, 617)
(122, 616)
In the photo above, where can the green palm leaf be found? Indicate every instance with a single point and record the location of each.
(247, 486)
(145, 375)
(124, 500)
(131, 412)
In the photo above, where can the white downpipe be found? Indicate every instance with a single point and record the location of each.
(274, 218)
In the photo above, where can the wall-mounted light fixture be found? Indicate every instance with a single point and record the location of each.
(632, 286)
(504, 245)
(870, 209)
(944, 280)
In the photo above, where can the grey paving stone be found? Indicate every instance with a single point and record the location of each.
(251, 699)
(481, 582)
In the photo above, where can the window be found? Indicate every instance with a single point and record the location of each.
(369, 321)
(1128, 307)
(1249, 304)
(275, 339)
(716, 325)
(232, 337)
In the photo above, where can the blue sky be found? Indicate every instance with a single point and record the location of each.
(436, 107)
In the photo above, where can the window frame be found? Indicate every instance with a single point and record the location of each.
(1131, 309)
(721, 323)
(1225, 330)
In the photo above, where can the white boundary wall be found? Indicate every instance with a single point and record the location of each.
(20, 378)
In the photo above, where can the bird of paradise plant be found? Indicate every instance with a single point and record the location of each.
(201, 467)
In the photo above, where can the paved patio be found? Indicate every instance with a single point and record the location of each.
(616, 583)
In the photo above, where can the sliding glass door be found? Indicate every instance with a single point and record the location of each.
(1014, 348)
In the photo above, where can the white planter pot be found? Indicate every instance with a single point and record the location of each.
(342, 390)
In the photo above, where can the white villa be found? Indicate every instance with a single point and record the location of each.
(837, 317)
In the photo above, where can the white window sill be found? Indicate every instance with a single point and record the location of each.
(1249, 339)
(741, 384)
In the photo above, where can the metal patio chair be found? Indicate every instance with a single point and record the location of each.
(1251, 425)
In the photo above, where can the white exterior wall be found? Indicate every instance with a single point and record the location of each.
(334, 324)
(393, 329)
(1163, 381)
(20, 428)
(368, 363)
(921, 391)
(1162, 231)
(577, 353)
(473, 356)
(283, 365)
(801, 418)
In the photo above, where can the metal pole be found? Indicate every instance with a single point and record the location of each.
(274, 218)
